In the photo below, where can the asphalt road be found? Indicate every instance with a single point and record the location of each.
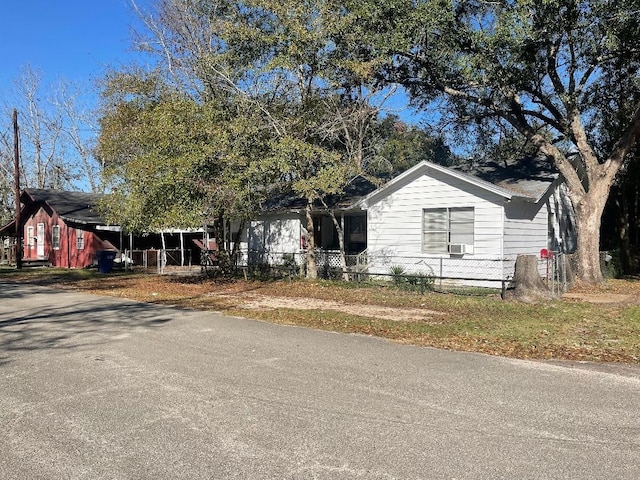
(101, 388)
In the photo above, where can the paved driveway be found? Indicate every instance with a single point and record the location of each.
(101, 388)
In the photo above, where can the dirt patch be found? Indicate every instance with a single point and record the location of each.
(252, 301)
(612, 292)
(601, 298)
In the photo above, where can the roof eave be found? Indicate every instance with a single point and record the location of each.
(78, 220)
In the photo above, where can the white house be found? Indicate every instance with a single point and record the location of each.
(281, 230)
(451, 224)
(438, 220)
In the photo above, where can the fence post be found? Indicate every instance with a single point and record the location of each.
(440, 273)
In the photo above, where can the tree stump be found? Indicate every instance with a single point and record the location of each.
(529, 287)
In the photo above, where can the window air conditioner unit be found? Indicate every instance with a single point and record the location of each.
(457, 248)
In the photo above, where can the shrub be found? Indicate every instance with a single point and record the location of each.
(397, 274)
(420, 281)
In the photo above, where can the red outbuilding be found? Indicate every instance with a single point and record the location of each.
(63, 229)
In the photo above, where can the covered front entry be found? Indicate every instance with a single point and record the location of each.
(355, 232)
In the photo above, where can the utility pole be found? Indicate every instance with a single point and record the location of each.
(16, 184)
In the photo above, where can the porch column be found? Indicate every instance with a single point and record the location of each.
(181, 248)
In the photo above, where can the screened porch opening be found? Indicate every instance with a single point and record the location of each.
(355, 233)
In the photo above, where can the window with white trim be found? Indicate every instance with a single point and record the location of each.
(55, 237)
(80, 239)
(448, 230)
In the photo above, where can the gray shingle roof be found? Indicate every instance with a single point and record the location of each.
(357, 188)
(527, 177)
(78, 207)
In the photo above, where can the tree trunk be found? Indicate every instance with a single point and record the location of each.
(588, 219)
(236, 245)
(312, 267)
(343, 257)
(529, 286)
(217, 228)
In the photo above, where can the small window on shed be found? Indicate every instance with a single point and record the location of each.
(55, 237)
(80, 239)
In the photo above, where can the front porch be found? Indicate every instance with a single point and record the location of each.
(326, 235)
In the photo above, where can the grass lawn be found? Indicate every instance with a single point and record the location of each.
(601, 325)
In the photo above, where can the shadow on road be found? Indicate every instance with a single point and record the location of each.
(33, 318)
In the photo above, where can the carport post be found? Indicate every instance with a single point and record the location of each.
(181, 248)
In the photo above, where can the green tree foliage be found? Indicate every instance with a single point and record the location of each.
(247, 97)
(537, 67)
(401, 146)
(176, 162)
(621, 221)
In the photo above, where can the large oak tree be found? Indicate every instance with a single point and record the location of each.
(537, 67)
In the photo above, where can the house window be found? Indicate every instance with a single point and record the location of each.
(31, 237)
(80, 239)
(447, 230)
(55, 237)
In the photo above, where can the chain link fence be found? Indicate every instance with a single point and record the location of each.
(555, 271)
(443, 273)
(160, 261)
(446, 271)
(491, 273)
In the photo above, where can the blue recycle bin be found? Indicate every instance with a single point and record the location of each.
(105, 261)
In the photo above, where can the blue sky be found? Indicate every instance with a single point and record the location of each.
(76, 41)
(70, 39)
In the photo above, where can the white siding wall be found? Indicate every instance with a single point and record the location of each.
(548, 224)
(526, 227)
(395, 223)
(526, 231)
(275, 235)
